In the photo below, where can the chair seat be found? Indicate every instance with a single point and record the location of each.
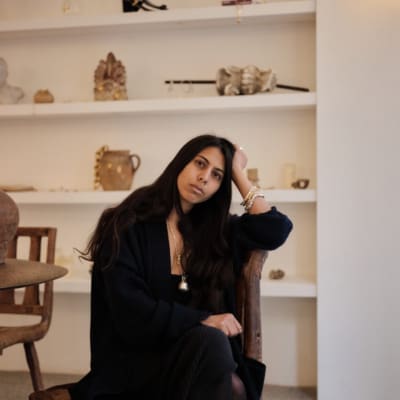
(59, 392)
(10, 335)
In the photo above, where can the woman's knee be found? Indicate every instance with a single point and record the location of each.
(216, 347)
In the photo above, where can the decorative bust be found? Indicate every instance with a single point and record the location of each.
(110, 79)
(8, 94)
(233, 80)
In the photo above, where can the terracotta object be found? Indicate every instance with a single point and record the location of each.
(43, 96)
(9, 219)
(115, 169)
(110, 80)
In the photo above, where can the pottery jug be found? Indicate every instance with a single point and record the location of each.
(9, 218)
(116, 169)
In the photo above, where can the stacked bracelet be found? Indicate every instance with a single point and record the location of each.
(250, 197)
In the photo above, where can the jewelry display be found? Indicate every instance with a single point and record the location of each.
(177, 258)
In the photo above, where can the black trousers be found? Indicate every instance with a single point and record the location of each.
(199, 366)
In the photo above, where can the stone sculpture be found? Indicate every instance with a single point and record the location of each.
(233, 80)
(8, 94)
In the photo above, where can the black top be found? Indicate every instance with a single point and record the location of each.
(134, 312)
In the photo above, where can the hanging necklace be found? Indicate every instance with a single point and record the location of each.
(177, 256)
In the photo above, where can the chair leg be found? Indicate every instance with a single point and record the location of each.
(34, 367)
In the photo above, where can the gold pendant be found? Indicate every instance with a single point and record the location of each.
(183, 285)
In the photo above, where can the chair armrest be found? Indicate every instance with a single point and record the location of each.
(249, 303)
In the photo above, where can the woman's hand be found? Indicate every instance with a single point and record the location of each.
(239, 161)
(226, 323)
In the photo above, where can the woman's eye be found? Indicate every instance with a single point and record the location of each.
(200, 163)
(218, 176)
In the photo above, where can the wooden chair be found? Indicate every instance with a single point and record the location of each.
(31, 303)
(248, 305)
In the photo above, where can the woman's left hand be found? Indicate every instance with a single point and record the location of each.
(239, 161)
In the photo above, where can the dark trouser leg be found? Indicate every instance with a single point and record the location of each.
(199, 366)
(239, 391)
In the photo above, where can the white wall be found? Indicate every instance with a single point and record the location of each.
(358, 184)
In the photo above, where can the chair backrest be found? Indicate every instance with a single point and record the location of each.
(248, 304)
(31, 303)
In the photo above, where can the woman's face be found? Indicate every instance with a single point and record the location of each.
(201, 177)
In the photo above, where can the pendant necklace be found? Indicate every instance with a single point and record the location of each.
(183, 284)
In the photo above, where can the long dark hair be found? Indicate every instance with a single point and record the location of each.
(207, 261)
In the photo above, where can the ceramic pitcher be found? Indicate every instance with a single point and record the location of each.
(116, 169)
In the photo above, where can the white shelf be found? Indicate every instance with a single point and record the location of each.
(89, 197)
(288, 287)
(255, 102)
(286, 11)
(113, 197)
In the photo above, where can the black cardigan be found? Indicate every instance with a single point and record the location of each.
(132, 312)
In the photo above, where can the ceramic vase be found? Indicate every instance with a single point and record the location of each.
(9, 219)
(117, 168)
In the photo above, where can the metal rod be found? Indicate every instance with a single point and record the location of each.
(197, 81)
(300, 89)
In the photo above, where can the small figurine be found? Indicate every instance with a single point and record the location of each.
(43, 96)
(276, 274)
(8, 94)
(301, 184)
(110, 80)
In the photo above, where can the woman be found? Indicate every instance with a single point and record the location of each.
(164, 267)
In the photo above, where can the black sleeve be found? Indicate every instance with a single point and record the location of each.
(265, 231)
(137, 315)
